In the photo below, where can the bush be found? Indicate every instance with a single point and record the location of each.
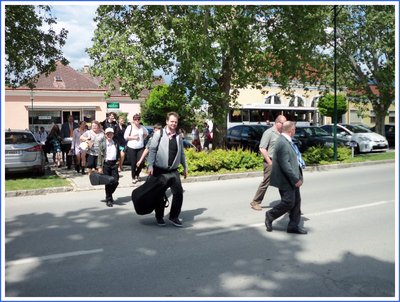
(324, 155)
(221, 161)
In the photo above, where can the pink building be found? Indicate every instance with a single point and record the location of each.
(64, 92)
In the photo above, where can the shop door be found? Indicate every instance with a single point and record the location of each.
(75, 114)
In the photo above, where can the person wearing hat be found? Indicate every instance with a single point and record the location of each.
(109, 159)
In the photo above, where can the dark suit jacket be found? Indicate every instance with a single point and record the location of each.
(65, 129)
(285, 168)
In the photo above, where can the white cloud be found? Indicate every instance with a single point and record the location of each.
(78, 20)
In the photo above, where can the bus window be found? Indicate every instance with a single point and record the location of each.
(256, 116)
(234, 116)
(245, 115)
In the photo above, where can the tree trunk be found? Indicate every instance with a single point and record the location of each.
(220, 106)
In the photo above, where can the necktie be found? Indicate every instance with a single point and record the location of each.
(300, 160)
(71, 130)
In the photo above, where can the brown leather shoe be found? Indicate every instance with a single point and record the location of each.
(255, 206)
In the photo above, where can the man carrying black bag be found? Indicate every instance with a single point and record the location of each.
(166, 153)
(109, 158)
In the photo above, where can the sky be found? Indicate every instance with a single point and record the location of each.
(78, 20)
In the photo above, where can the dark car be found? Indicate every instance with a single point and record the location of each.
(245, 137)
(310, 136)
(390, 134)
(23, 153)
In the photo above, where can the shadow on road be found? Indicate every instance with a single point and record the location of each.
(243, 263)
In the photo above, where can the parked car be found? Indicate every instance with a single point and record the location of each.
(390, 134)
(364, 140)
(311, 136)
(245, 137)
(23, 153)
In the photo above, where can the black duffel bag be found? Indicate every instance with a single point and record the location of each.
(152, 193)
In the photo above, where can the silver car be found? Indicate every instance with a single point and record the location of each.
(23, 153)
(364, 139)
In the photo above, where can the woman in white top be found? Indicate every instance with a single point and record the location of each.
(135, 134)
(80, 154)
(94, 138)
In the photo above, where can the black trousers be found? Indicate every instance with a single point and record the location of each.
(111, 168)
(177, 194)
(134, 155)
(290, 202)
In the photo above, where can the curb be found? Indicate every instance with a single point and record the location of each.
(38, 191)
(227, 176)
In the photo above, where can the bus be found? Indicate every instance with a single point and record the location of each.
(252, 114)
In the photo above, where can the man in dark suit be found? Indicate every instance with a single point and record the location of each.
(67, 132)
(287, 176)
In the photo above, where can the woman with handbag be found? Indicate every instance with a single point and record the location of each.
(93, 137)
(78, 151)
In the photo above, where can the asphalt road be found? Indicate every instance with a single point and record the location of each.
(71, 245)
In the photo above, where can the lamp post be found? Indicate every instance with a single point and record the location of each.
(334, 86)
(33, 127)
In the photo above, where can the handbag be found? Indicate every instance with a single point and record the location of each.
(84, 146)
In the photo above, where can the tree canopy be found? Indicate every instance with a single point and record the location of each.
(210, 51)
(326, 105)
(30, 49)
(163, 99)
(366, 55)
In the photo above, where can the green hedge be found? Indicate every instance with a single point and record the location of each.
(224, 161)
(221, 161)
(324, 155)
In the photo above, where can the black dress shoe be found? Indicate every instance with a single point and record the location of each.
(268, 222)
(300, 231)
(109, 204)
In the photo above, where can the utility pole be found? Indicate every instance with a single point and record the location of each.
(334, 86)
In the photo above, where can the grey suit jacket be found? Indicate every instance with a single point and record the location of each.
(285, 168)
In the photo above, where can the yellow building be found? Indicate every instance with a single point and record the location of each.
(305, 99)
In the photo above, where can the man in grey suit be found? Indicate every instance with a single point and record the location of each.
(287, 176)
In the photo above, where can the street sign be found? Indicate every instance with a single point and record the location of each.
(113, 105)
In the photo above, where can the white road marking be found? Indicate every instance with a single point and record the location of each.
(373, 204)
(52, 257)
(231, 229)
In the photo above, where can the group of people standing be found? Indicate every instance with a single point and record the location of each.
(283, 168)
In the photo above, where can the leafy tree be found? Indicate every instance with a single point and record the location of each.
(366, 55)
(211, 51)
(326, 105)
(29, 49)
(163, 99)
